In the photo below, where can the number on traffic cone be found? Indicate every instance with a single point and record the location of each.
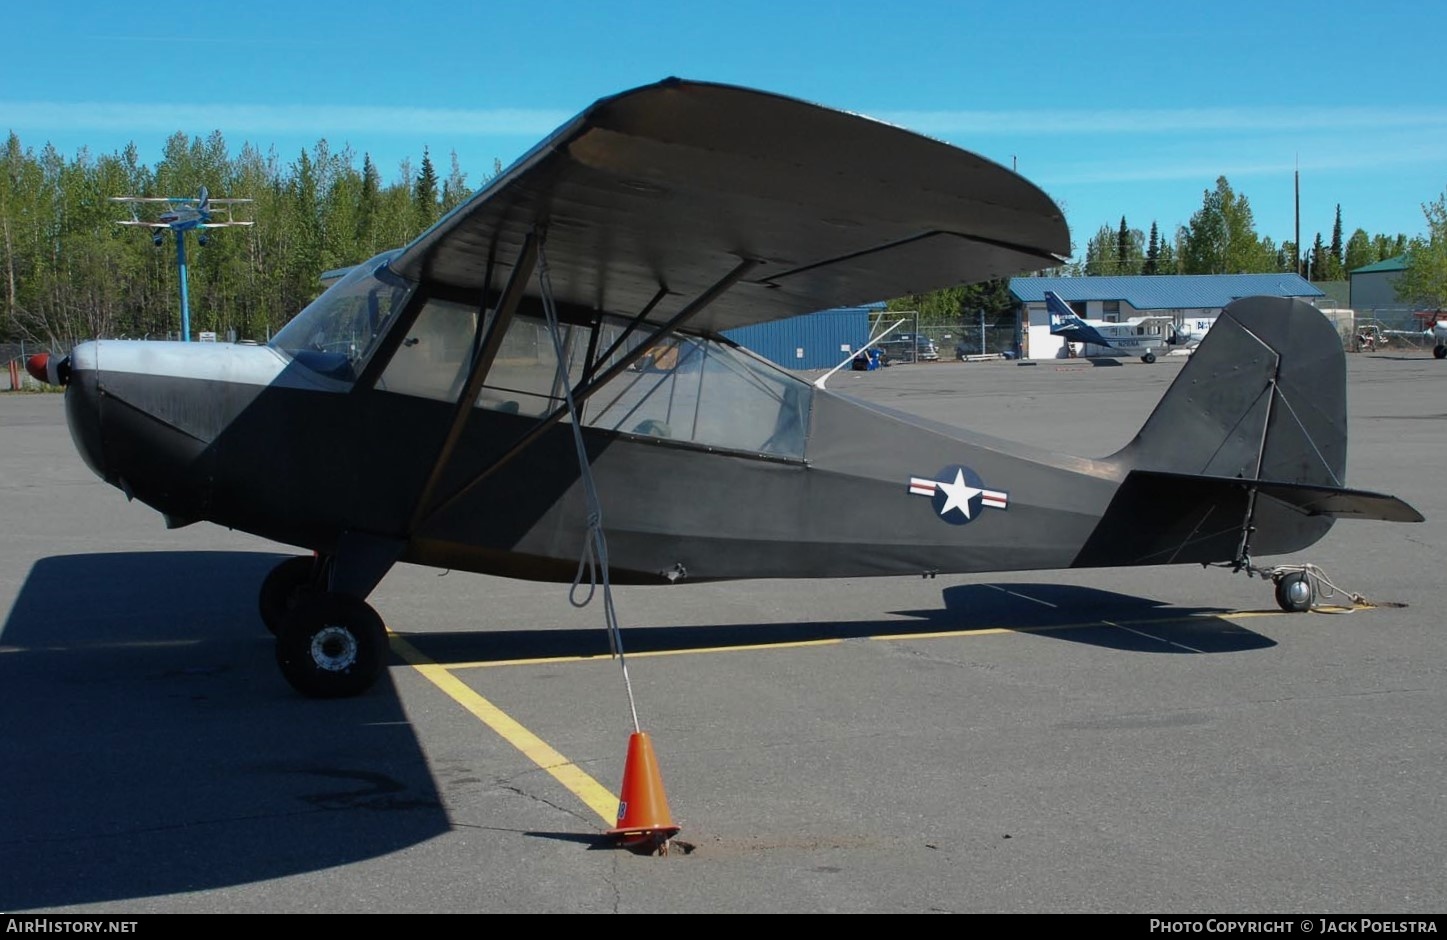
(642, 804)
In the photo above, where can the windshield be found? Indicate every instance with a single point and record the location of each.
(336, 333)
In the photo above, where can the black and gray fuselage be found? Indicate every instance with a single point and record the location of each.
(709, 462)
(717, 466)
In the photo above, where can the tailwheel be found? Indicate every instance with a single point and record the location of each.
(332, 646)
(1295, 592)
(285, 586)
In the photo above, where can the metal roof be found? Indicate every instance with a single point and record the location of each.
(1164, 291)
(1399, 263)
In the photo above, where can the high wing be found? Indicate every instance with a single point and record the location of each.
(649, 199)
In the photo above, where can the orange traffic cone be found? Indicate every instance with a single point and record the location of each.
(642, 804)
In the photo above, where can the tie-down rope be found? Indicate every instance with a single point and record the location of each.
(595, 544)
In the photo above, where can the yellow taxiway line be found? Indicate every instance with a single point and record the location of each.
(600, 798)
(570, 775)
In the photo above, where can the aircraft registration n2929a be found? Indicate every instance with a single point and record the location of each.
(544, 370)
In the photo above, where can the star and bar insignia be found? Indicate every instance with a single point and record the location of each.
(958, 494)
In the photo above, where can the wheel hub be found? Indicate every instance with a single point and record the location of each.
(334, 649)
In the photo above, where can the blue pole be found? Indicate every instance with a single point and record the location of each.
(185, 302)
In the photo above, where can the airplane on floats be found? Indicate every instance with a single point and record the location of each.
(1139, 336)
(473, 400)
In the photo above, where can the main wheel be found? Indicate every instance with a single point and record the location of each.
(284, 588)
(1439, 351)
(1294, 592)
(1148, 358)
(332, 646)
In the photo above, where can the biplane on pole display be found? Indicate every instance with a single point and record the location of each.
(179, 215)
(549, 358)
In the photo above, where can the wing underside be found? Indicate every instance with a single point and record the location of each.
(663, 190)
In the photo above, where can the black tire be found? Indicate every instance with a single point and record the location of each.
(284, 588)
(332, 646)
(1295, 593)
(1439, 352)
(1148, 358)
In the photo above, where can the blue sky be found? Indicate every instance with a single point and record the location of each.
(1126, 109)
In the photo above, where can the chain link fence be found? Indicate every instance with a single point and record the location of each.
(15, 378)
(985, 338)
(966, 342)
(1392, 328)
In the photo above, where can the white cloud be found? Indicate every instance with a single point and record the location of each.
(243, 119)
(1164, 121)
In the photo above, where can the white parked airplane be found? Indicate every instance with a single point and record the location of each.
(1139, 336)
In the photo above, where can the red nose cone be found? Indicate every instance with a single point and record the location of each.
(38, 366)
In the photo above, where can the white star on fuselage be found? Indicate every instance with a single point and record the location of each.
(958, 494)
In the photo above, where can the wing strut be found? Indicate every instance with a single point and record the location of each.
(632, 326)
(482, 362)
(587, 389)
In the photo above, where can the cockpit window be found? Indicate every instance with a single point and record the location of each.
(685, 389)
(338, 331)
(688, 388)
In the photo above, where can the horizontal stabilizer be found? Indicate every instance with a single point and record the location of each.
(1338, 502)
(1160, 518)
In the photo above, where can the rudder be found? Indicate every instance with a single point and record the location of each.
(1263, 397)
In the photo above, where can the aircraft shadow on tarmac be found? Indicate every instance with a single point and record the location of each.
(151, 748)
(1067, 612)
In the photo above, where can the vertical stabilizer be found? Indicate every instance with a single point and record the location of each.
(1245, 453)
(1262, 398)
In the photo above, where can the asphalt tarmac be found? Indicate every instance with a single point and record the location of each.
(1149, 740)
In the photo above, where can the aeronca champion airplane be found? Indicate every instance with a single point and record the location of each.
(546, 364)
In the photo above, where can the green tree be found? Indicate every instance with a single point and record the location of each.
(1388, 246)
(1359, 251)
(1153, 252)
(952, 306)
(1286, 258)
(1221, 236)
(1169, 261)
(1318, 260)
(1424, 282)
(424, 195)
(1338, 250)
(454, 189)
(1100, 253)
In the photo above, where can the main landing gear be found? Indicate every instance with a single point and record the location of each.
(332, 646)
(286, 586)
(329, 644)
(1148, 358)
